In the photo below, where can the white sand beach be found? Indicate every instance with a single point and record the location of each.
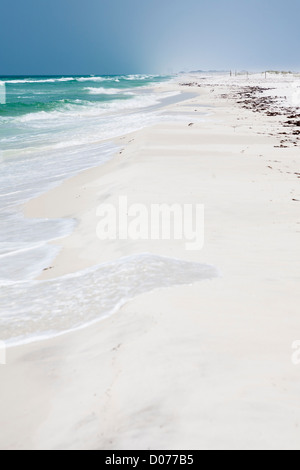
(200, 366)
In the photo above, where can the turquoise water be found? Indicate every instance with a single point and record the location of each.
(35, 94)
(55, 110)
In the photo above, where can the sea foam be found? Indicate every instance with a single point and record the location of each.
(49, 308)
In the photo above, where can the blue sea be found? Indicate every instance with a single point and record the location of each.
(51, 128)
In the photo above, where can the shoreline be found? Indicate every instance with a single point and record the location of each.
(186, 367)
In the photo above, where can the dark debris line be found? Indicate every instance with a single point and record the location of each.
(248, 97)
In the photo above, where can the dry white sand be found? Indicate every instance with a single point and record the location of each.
(206, 366)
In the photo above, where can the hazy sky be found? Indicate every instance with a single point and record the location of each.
(144, 36)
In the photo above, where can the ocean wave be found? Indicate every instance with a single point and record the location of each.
(107, 91)
(91, 79)
(138, 77)
(65, 110)
(85, 297)
(46, 80)
(99, 78)
(59, 79)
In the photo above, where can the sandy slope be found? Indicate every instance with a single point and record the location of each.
(203, 366)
